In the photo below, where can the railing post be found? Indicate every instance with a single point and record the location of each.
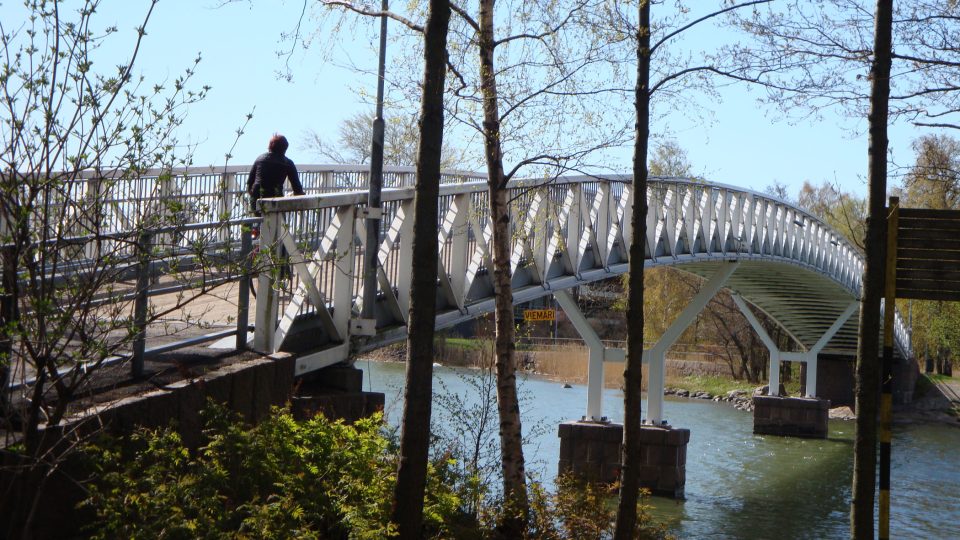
(144, 245)
(268, 299)
(243, 301)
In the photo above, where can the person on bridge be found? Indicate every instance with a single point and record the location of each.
(270, 171)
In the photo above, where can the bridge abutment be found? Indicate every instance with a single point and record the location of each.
(591, 451)
(337, 392)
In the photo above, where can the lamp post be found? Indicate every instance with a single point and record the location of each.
(373, 211)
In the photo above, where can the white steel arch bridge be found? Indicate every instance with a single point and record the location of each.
(567, 232)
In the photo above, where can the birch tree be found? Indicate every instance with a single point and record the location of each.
(524, 85)
(533, 92)
(78, 208)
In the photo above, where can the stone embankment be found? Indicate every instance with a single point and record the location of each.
(739, 399)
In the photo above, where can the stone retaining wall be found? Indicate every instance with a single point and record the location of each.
(250, 388)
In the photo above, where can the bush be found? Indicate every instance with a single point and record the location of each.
(585, 511)
(280, 479)
(313, 479)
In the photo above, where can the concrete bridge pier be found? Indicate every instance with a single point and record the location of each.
(806, 416)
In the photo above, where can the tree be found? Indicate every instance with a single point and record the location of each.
(814, 56)
(80, 212)
(672, 76)
(418, 392)
(355, 133)
(632, 375)
(868, 374)
(845, 212)
(545, 83)
(533, 96)
(934, 179)
(670, 159)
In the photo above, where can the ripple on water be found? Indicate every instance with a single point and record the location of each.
(741, 485)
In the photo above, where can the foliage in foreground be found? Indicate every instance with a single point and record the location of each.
(280, 479)
(313, 479)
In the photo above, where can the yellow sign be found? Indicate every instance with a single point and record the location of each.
(538, 314)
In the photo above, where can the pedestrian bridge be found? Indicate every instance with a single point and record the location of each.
(566, 232)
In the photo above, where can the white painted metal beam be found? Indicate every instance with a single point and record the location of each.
(596, 354)
(775, 354)
(657, 353)
(792, 267)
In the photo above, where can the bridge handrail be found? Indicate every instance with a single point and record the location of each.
(754, 219)
(219, 191)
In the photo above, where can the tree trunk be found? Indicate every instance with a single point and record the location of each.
(415, 431)
(508, 406)
(868, 365)
(632, 376)
(8, 316)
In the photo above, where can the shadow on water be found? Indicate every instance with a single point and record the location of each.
(741, 485)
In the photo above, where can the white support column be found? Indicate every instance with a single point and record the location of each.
(821, 343)
(656, 374)
(268, 301)
(811, 381)
(809, 357)
(774, 387)
(595, 362)
(657, 353)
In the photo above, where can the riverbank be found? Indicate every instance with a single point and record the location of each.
(937, 398)
(695, 380)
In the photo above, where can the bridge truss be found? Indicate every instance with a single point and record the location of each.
(567, 232)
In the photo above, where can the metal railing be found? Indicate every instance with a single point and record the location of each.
(565, 232)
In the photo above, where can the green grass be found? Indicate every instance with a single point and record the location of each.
(716, 386)
(793, 385)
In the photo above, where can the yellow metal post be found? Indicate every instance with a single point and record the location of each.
(886, 391)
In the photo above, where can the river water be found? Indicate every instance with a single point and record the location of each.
(741, 485)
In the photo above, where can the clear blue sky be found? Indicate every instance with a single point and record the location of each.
(745, 145)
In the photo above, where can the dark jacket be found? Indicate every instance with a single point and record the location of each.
(267, 175)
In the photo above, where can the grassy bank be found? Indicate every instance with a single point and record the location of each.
(715, 385)
(568, 363)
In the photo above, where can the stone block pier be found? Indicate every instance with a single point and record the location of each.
(591, 451)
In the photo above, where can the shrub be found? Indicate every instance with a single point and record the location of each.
(585, 511)
(313, 479)
(280, 479)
